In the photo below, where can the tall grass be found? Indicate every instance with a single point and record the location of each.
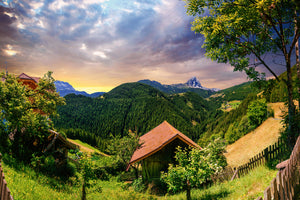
(24, 183)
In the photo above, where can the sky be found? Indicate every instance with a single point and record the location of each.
(96, 45)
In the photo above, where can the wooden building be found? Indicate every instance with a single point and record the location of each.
(60, 146)
(29, 81)
(158, 148)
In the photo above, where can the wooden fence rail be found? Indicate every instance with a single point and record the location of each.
(224, 175)
(286, 184)
(276, 150)
(4, 191)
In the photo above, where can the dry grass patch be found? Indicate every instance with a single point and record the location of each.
(256, 141)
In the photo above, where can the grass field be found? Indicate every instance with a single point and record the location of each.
(25, 184)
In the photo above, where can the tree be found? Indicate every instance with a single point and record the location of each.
(195, 166)
(243, 32)
(257, 112)
(25, 113)
(124, 147)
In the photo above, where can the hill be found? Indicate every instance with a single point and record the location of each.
(133, 106)
(237, 92)
(257, 140)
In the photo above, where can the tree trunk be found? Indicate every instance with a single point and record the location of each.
(83, 197)
(297, 62)
(136, 172)
(291, 106)
(188, 190)
(298, 71)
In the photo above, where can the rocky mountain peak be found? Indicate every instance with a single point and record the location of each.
(194, 83)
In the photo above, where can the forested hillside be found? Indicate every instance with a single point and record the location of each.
(234, 124)
(229, 125)
(237, 92)
(136, 107)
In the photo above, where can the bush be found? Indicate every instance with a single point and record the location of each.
(138, 185)
(237, 130)
(257, 112)
(101, 173)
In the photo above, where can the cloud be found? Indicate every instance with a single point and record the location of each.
(105, 43)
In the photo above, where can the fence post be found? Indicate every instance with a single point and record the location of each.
(274, 191)
(266, 152)
(267, 194)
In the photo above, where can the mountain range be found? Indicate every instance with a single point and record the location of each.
(65, 88)
(192, 85)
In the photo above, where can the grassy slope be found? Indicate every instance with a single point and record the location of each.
(254, 142)
(24, 184)
(86, 148)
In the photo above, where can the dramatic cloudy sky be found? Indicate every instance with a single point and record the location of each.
(96, 45)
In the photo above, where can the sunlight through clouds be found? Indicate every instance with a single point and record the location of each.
(121, 41)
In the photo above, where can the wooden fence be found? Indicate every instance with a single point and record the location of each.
(276, 150)
(224, 175)
(286, 184)
(4, 191)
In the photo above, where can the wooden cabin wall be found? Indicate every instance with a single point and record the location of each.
(154, 164)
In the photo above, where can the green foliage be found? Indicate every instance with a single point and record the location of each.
(138, 185)
(257, 112)
(195, 166)
(235, 30)
(237, 130)
(124, 147)
(47, 165)
(21, 113)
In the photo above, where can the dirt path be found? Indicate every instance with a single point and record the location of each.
(254, 142)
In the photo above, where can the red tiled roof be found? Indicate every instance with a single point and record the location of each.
(25, 76)
(156, 139)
